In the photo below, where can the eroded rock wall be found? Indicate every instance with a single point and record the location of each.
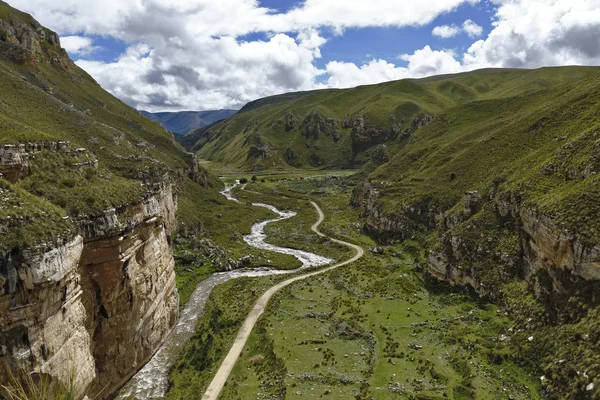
(492, 240)
(97, 305)
(42, 322)
(130, 298)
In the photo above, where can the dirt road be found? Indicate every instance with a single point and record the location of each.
(216, 386)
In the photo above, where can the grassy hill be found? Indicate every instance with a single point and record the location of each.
(542, 144)
(81, 150)
(185, 121)
(503, 193)
(344, 127)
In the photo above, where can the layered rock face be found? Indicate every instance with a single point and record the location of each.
(42, 322)
(96, 306)
(24, 44)
(401, 225)
(14, 163)
(500, 231)
(129, 288)
(14, 158)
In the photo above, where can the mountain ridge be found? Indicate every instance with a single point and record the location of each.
(341, 128)
(182, 122)
(89, 194)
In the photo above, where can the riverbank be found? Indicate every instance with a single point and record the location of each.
(218, 382)
(152, 380)
(377, 330)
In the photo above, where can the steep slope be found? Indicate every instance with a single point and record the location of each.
(503, 195)
(344, 128)
(88, 201)
(185, 121)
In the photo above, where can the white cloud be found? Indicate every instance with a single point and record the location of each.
(78, 45)
(472, 29)
(526, 34)
(446, 31)
(196, 56)
(342, 14)
(421, 63)
(534, 33)
(214, 73)
(228, 17)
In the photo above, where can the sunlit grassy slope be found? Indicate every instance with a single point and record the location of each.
(44, 97)
(542, 145)
(340, 128)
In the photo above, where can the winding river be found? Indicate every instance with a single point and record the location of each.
(151, 382)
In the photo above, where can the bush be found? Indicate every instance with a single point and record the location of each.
(243, 180)
(24, 385)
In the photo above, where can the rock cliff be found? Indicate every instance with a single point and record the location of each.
(42, 323)
(88, 204)
(95, 306)
(484, 242)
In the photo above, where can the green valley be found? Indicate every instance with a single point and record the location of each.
(431, 238)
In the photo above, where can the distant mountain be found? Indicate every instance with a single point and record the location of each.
(342, 128)
(184, 121)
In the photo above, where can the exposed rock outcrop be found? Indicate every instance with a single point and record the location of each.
(14, 163)
(417, 123)
(364, 136)
(14, 158)
(98, 304)
(315, 124)
(380, 155)
(500, 231)
(402, 224)
(290, 122)
(30, 44)
(470, 203)
(42, 323)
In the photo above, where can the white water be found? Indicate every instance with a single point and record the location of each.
(151, 382)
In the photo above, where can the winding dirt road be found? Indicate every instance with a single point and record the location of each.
(218, 382)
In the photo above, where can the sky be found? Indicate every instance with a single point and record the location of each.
(173, 55)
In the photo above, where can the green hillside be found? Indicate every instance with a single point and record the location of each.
(503, 195)
(542, 145)
(87, 151)
(342, 128)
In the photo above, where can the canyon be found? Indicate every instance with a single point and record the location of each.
(68, 306)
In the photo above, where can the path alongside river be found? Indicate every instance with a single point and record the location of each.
(151, 382)
(218, 382)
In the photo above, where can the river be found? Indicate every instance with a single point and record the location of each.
(151, 382)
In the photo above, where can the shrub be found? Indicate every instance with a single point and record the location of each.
(32, 386)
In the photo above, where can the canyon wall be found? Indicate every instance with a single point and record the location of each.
(488, 240)
(93, 307)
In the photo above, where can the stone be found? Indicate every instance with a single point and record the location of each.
(470, 203)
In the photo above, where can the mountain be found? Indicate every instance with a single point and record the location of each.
(490, 179)
(502, 193)
(342, 128)
(184, 121)
(89, 192)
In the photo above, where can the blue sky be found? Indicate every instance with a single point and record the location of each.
(202, 54)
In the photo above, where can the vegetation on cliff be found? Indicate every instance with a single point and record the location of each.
(65, 141)
(502, 192)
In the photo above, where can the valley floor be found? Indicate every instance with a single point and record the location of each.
(372, 329)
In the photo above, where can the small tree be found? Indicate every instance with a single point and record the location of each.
(254, 179)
